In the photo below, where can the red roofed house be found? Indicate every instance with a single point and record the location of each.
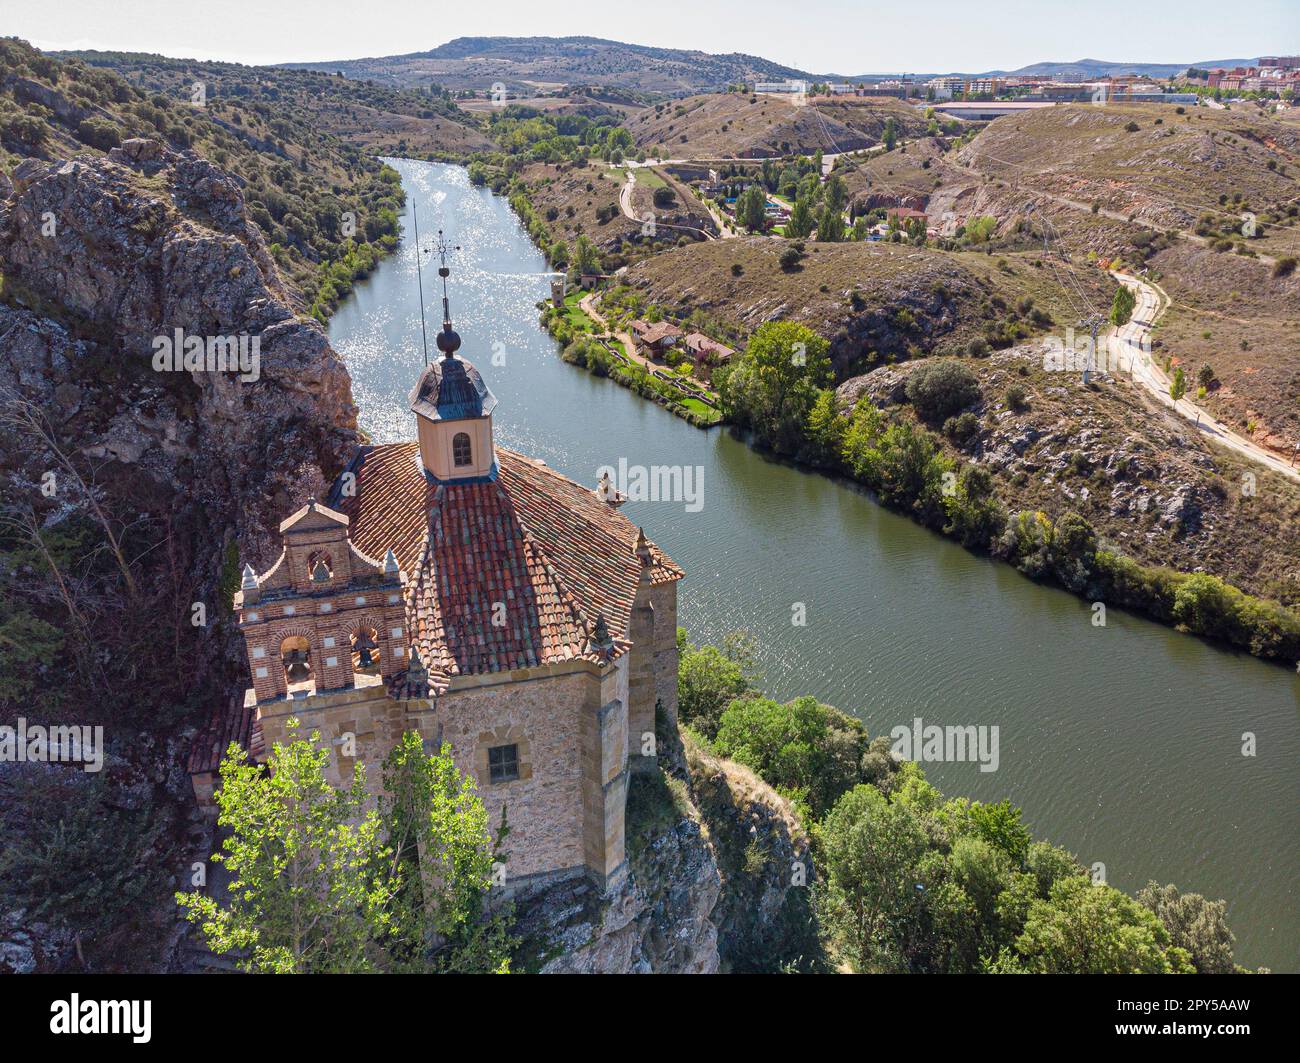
(656, 337)
(706, 353)
(903, 215)
(474, 595)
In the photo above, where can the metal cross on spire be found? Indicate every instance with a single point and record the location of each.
(447, 340)
(442, 248)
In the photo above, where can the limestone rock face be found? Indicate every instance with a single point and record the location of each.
(104, 258)
(720, 884)
(658, 922)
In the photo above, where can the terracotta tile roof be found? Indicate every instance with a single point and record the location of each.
(533, 539)
(391, 505)
(231, 722)
(656, 332)
(702, 344)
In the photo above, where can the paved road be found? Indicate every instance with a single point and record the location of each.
(1130, 346)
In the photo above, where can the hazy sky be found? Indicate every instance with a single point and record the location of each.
(840, 36)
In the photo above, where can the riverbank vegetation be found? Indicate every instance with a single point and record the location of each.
(580, 346)
(910, 881)
(779, 391)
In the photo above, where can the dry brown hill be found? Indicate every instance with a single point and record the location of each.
(871, 300)
(735, 125)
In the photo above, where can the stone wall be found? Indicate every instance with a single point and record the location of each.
(566, 809)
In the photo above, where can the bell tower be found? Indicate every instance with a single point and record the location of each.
(453, 407)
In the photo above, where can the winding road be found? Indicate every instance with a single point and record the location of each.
(1129, 346)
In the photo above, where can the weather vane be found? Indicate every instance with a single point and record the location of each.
(442, 248)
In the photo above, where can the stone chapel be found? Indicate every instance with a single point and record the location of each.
(470, 593)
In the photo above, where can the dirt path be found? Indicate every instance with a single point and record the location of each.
(625, 205)
(1131, 344)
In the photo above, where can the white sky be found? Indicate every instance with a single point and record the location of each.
(823, 36)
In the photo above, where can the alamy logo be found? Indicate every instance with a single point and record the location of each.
(52, 745)
(102, 1016)
(658, 483)
(179, 353)
(930, 743)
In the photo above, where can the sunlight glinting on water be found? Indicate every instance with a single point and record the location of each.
(1121, 743)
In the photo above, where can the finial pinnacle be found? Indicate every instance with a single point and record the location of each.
(447, 340)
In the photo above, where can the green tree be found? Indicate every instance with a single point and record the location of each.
(1194, 924)
(307, 892)
(975, 516)
(890, 136)
(775, 383)
(868, 897)
(442, 860)
(806, 749)
(709, 679)
(834, 194)
(940, 388)
(827, 428)
(322, 881)
(830, 225)
(1121, 309)
(1082, 928)
(910, 471)
(800, 225)
(1178, 385)
(751, 207)
(586, 256)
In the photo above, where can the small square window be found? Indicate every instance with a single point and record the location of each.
(503, 763)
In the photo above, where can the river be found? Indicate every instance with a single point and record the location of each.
(1123, 743)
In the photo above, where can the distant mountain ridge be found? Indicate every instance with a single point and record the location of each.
(530, 63)
(535, 62)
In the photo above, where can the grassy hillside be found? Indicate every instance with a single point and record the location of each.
(1168, 197)
(875, 302)
(1143, 478)
(328, 209)
(377, 118)
(739, 125)
(1153, 164)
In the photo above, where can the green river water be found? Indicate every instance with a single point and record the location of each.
(1121, 743)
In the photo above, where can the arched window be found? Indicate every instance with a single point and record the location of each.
(365, 650)
(319, 568)
(461, 452)
(295, 656)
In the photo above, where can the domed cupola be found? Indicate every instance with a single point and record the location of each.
(453, 409)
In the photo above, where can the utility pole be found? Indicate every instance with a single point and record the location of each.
(1092, 323)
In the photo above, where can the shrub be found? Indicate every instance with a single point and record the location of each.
(808, 750)
(1016, 396)
(942, 388)
(962, 429)
(1284, 267)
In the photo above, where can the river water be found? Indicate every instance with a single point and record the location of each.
(1122, 743)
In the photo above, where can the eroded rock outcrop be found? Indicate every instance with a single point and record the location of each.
(104, 258)
(100, 257)
(719, 871)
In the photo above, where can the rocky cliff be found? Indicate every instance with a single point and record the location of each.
(718, 874)
(148, 482)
